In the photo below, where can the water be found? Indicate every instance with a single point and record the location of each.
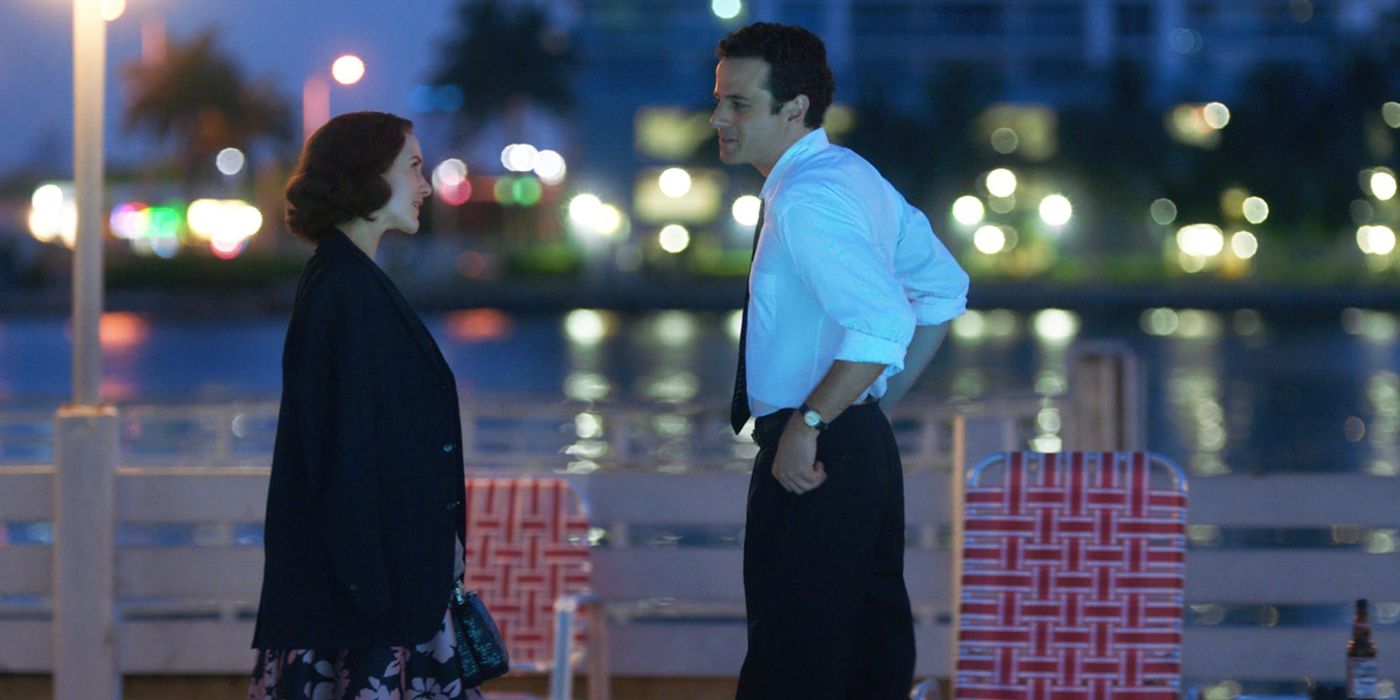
(1241, 391)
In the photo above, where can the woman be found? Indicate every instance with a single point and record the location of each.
(366, 493)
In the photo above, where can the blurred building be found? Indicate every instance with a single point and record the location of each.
(1046, 51)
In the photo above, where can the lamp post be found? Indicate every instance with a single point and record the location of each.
(316, 92)
(85, 440)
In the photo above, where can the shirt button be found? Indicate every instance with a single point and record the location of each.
(354, 587)
(448, 447)
(453, 505)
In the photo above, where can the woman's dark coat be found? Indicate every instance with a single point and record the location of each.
(367, 487)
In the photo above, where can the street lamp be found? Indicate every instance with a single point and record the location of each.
(316, 91)
(85, 439)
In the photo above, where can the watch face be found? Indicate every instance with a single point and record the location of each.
(811, 419)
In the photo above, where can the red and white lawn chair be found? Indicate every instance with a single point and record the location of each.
(527, 554)
(1073, 566)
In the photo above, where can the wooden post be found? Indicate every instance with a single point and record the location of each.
(84, 619)
(1105, 399)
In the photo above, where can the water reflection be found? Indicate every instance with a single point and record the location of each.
(671, 386)
(586, 386)
(1054, 330)
(1377, 327)
(123, 331)
(478, 325)
(673, 329)
(588, 326)
(588, 425)
(1193, 387)
(1235, 391)
(1383, 395)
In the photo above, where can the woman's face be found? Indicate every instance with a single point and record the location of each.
(408, 188)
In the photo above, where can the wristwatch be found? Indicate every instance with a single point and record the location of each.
(811, 417)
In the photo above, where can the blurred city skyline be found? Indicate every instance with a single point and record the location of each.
(1083, 139)
(1029, 52)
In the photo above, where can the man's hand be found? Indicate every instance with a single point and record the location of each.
(796, 467)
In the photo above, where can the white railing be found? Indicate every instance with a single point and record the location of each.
(191, 492)
(574, 437)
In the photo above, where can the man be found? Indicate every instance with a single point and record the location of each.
(850, 295)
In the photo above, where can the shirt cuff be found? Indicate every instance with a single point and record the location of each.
(940, 311)
(862, 347)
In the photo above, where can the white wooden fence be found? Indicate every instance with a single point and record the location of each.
(666, 489)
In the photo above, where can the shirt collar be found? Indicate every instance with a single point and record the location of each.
(805, 147)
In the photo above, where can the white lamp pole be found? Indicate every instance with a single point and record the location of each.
(85, 441)
(89, 79)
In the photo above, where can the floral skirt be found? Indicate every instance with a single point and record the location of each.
(429, 671)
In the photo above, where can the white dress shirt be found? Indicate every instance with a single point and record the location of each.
(845, 268)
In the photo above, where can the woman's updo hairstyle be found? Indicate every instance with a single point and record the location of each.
(340, 175)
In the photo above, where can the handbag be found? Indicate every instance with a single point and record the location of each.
(480, 648)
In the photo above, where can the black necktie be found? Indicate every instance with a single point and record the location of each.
(739, 405)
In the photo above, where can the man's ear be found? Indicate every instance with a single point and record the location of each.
(796, 109)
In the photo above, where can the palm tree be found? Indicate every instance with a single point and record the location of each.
(505, 60)
(199, 98)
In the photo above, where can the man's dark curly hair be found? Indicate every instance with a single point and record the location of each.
(340, 175)
(796, 61)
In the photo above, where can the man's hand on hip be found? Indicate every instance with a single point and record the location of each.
(796, 467)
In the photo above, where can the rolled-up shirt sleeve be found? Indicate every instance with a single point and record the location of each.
(832, 248)
(934, 283)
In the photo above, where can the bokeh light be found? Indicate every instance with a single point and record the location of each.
(348, 69)
(1056, 210)
(674, 182)
(726, 9)
(526, 191)
(1375, 240)
(112, 10)
(582, 208)
(1005, 140)
(519, 157)
(230, 161)
(53, 214)
(1390, 111)
(1255, 210)
(1382, 184)
(130, 220)
(450, 182)
(1200, 240)
(586, 326)
(673, 238)
(1056, 325)
(1216, 114)
(1244, 244)
(550, 167)
(989, 239)
(449, 173)
(226, 224)
(1163, 211)
(1001, 182)
(593, 218)
(968, 210)
(746, 210)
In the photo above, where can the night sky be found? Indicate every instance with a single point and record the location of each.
(282, 40)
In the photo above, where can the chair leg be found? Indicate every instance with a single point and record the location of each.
(561, 676)
(599, 675)
(927, 690)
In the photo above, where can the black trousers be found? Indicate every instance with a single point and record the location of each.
(828, 613)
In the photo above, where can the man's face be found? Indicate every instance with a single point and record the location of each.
(749, 131)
